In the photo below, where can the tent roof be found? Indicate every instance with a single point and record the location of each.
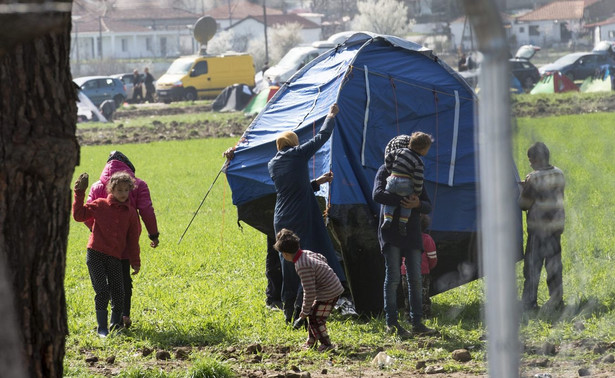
(384, 86)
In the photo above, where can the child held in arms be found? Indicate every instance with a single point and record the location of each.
(116, 229)
(321, 287)
(402, 158)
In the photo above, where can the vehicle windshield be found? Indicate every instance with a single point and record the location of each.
(180, 67)
(567, 59)
(293, 57)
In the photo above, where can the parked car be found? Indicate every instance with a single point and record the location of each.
(299, 56)
(580, 65)
(102, 88)
(521, 67)
(192, 77)
(86, 111)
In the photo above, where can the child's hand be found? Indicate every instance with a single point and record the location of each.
(154, 243)
(136, 270)
(82, 182)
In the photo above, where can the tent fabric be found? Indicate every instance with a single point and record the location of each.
(602, 81)
(233, 98)
(385, 86)
(259, 101)
(554, 82)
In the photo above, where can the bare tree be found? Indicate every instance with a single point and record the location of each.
(383, 17)
(283, 38)
(39, 152)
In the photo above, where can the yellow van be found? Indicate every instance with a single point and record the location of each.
(192, 77)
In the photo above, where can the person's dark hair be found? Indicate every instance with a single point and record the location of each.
(286, 241)
(538, 152)
(117, 155)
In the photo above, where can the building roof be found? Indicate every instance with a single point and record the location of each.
(240, 9)
(557, 10)
(282, 19)
(91, 24)
(151, 13)
(610, 21)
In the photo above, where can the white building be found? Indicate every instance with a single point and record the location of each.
(254, 26)
(603, 31)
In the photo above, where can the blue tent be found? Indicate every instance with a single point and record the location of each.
(384, 86)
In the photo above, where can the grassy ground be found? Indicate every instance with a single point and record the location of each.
(203, 300)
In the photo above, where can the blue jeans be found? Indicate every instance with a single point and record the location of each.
(392, 278)
(401, 186)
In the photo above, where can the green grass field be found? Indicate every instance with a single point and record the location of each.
(208, 292)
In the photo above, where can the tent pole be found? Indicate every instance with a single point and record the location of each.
(498, 237)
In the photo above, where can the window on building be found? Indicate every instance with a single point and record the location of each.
(612, 34)
(522, 29)
(148, 43)
(124, 44)
(534, 30)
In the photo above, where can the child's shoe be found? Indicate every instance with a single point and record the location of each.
(402, 229)
(324, 347)
(127, 322)
(386, 224)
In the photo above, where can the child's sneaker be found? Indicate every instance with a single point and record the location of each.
(402, 229)
(386, 224)
(127, 322)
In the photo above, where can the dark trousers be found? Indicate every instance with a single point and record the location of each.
(292, 291)
(106, 275)
(137, 94)
(127, 280)
(547, 250)
(273, 272)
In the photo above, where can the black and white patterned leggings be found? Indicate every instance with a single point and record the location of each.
(106, 275)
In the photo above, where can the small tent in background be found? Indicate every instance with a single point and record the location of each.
(259, 101)
(86, 110)
(602, 81)
(554, 82)
(233, 98)
(385, 86)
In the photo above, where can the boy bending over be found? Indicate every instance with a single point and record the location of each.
(321, 287)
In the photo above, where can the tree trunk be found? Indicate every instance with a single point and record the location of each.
(38, 154)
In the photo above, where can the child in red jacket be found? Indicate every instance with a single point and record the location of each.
(429, 261)
(116, 229)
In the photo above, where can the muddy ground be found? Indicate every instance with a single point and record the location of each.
(523, 106)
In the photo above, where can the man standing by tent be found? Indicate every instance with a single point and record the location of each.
(542, 197)
(394, 246)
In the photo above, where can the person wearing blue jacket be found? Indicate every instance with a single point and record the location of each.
(296, 206)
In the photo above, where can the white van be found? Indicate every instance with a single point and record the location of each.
(299, 56)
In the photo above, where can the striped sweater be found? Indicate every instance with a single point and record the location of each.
(320, 283)
(543, 198)
(406, 163)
